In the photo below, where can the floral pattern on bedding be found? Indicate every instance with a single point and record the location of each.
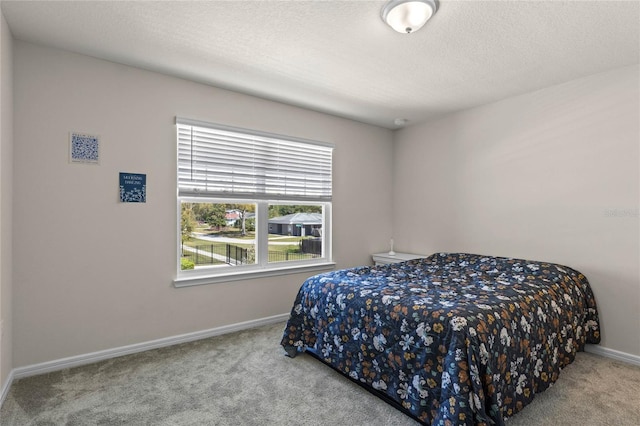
(454, 339)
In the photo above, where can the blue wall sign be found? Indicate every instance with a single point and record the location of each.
(133, 188)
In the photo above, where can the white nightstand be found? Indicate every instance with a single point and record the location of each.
(386, 258)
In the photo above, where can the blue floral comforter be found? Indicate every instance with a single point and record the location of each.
(453, 339)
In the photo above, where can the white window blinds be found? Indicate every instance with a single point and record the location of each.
(222, 161)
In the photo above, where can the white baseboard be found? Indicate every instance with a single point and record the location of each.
(5, 387)
(613, 354)
(78, 360)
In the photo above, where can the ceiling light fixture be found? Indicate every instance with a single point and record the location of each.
(407, 16)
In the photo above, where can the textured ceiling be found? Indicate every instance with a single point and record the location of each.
(339, 57)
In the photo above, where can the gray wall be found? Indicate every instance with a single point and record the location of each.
(6, 192)
(551, 175)
(92, 273)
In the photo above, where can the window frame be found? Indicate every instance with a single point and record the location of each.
(262, 268)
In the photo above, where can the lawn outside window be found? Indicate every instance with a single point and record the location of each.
(250, 204)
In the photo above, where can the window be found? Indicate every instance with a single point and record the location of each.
(250, 203)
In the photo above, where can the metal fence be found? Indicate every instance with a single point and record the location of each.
(283, 256)
(225, 253)
(236, 255)
(215, 253)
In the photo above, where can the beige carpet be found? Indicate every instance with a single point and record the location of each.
(245, 379)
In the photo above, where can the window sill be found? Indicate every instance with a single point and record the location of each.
(198, 279)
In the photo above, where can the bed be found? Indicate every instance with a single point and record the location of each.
(451, 339)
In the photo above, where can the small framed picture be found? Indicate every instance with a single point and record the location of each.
(84, 148)
(133, 188)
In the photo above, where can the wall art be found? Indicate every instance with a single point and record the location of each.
(84, 148)
(133, 188)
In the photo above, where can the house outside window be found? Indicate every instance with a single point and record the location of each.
(250, 203)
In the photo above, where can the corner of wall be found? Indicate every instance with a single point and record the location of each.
(6, 217)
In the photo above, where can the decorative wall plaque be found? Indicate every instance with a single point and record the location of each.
(84, 148)
(133, 188)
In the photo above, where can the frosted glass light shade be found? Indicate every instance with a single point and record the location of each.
(407, 16)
